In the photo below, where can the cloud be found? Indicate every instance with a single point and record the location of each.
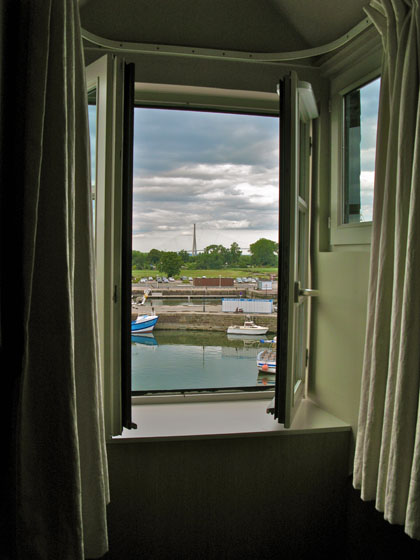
(367, 159)
(216, 170)
(367, 179)
(176, 137)
(369, 102)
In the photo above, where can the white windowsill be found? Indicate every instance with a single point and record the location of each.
(222, 420)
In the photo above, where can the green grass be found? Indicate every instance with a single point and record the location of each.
(257, 272)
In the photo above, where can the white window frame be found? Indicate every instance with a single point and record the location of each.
(303, 110)
(359, 233)
(206, 98)
(106, 75)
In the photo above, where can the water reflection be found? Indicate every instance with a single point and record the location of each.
(186, 360)
(147, 339)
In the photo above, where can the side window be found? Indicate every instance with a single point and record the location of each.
(360, 124)
(354, 117)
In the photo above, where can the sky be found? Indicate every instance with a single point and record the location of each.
(369, 99)
(217, 170)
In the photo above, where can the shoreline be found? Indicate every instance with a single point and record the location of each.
(185, 318)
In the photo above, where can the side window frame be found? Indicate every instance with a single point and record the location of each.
(342, 234)
(106, 75)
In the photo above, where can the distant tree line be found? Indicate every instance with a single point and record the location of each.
(264, 252)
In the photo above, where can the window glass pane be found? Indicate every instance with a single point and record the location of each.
(300, 319)
(300, 347)
(205, 232)
(92, 115)
(304, 154)
(360, 124)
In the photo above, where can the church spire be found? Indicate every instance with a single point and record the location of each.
(194, 247)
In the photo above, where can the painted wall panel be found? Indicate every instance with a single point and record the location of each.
(338, 334)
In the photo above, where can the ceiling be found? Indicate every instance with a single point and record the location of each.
(240, 25)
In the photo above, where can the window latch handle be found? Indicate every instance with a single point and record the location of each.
(309, 293)
(301, 293)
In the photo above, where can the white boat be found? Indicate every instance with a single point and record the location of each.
(266, 359)
(143, 324)
(248, 328)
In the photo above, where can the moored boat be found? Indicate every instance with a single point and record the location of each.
(248, 328)
(266, 359)
(143, 324)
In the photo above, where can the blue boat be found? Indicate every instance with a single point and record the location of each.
(143, 324)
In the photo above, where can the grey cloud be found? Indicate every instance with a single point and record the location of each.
(219, 171)
(164, 139)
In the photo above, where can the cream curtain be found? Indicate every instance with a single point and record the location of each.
(62, 487)
(387, 461)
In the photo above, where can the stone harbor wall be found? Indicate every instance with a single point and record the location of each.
(212, 321)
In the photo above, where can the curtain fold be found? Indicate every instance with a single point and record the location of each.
(61, 466)
(387, 460)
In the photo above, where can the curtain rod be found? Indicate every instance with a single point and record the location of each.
(148, 48)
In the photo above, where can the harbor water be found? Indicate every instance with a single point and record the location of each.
(188, 360)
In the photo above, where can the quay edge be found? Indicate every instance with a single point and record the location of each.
(209, 321)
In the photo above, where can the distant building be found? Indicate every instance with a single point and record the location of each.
(265, 285)
(213, 282)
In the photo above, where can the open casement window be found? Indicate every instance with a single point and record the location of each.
(297, 109)
(110, 84)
